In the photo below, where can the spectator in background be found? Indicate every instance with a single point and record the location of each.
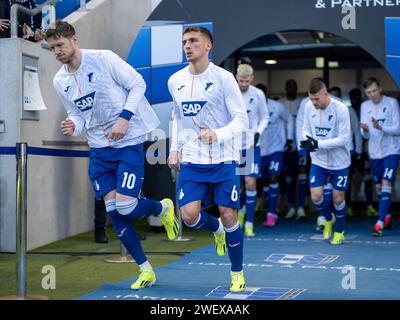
(5, 6)
(29, 27)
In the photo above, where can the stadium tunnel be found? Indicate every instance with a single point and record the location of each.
(363, 39)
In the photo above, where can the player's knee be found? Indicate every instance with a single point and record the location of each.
(250, 184)
(338, 197)
(125, 208)
(190, 216)
(228, 217)
(386, 183)
(316, 196)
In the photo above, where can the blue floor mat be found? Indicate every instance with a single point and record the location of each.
(288, 262)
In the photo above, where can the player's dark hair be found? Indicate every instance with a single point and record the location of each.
(204, 31)
(60, 29)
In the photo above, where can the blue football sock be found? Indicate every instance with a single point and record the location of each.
(384, 202)
(323, 205)
(128, 236)
(302, 190)
(340, 215)
(326, 209)
(273, 194)
(291, 191)
(139, 208)
(205, 221)
(234, 240)
(251, 201)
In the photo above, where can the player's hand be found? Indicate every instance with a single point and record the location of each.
(207, 136)
(4, 24)
(256, 138)
(364, 126)
(310, 144)
(67, 127)
(288, 145)
(375, 124)
(119, 129)
(173, 160)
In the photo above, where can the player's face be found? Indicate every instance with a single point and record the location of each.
(64, 49)
(320, 99)
(374, 92)
(196, 46)
(244, 82)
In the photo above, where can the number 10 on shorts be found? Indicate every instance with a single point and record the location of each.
(129, 180)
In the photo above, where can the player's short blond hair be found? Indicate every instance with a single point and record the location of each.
(244, 70)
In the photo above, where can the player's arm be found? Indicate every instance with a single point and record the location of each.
(344, 132)
(128, 78)
(395, 128)
(355, 131)
(364, 130)
(263, 114)
(299, 124)
(173, 158)
(237, 109)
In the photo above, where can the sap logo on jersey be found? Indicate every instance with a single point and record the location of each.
(321, 132)
(85, 103)
(192, 108)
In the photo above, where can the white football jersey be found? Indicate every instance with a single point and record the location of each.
(385, 142)
(300, 118)
(279, 130)
(293, 107)
(257, 112)
(211, 100)
(331, 127)
(356, 140)
(96, 94)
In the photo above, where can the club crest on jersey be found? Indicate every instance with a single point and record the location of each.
(330, 117)
(192, 108)
(209, 86)
(90, 76)
(321, 132)
(85, 103)
(251, 100)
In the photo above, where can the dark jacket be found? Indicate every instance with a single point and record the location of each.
(5, 6)
(34, 22)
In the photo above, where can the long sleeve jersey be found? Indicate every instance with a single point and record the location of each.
(211, 100)
(257, 112)
(293, 107)
(279, 130)
(356, 141)
(385, 142)
(95, 95)
(331, 127)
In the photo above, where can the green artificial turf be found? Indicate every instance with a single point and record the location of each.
(79, 262)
